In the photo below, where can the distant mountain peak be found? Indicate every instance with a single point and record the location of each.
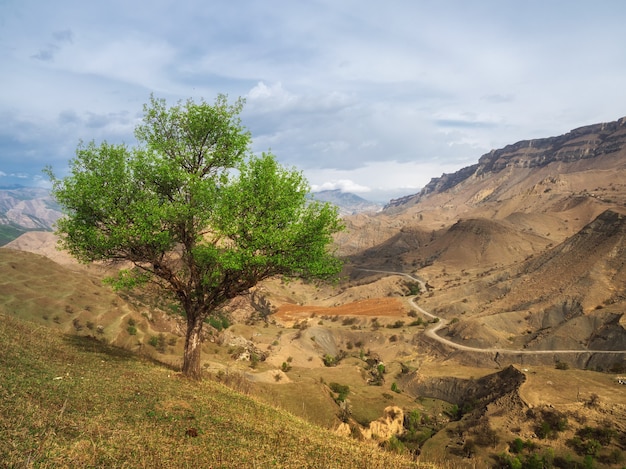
(348, 203)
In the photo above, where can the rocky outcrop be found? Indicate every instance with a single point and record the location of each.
(469, 392)
(390, 424)
(587, 142)
(243, 349)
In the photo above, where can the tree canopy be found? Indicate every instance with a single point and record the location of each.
(194, 211)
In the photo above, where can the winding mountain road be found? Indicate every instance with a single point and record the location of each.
(441, 322)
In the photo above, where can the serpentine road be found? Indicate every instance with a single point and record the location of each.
(441, 322)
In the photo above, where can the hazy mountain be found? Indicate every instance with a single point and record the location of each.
(25, 208)
(349, 204)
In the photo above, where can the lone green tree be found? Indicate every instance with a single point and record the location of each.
(192, 210)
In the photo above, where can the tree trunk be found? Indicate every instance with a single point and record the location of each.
(193, 346)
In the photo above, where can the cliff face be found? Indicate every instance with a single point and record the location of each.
(587, 142)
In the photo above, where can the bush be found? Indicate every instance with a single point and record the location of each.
(394, 388)
(395, 445)
(342, 391)
(396, 325)
(77, 325)
(414, 288)
(330, 360)
(153, 341)
(218, 322)
(132, 330)
(562, 365)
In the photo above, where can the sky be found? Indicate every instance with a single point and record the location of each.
(373, 98)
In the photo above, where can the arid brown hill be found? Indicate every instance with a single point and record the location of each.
(524, 249)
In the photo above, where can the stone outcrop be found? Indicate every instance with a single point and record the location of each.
(586, 142)
(390, 424)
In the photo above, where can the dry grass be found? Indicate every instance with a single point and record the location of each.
(68, 401)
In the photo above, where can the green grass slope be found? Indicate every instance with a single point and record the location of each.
(71, 401)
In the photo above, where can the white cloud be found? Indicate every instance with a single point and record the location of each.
(344, 185)
(356, 94)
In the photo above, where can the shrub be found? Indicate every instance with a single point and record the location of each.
(393, 444)
(218, 322)
(161, 343)
(562, 365)
(77, 325)
(341, 391)
(132, 330)
(394, 388)
(396, 325)
(516, 446)
(285, 367)
(153, 341)
(414, 288)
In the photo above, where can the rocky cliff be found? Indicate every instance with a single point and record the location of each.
(583, 143)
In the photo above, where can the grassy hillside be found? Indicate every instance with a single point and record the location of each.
(70, 401)
(9, 232)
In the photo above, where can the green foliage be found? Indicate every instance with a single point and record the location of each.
(395, 388)
(341, 391)
(552, 423)
(562, 365)
(333, 360)
(394, 445)
(218, 321)
(414, 288)
(194, 211)
(132, 330)
(517, 445)
(589, 440)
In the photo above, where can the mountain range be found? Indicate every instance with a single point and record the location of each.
(519, 265)
(524, 249)
(24, 209)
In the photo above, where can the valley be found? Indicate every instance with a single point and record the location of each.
(489, 308)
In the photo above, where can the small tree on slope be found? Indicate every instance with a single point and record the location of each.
(194, 212)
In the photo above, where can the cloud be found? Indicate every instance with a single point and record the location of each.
(49, 52)
(344, 185)
(385, 97)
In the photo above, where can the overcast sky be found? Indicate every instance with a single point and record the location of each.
(375, 98)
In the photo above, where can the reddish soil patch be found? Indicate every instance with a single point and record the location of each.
(375, 307)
